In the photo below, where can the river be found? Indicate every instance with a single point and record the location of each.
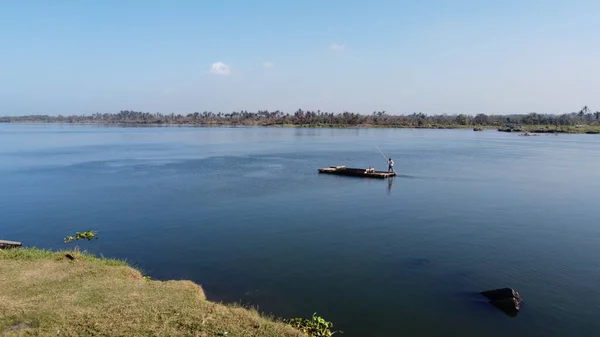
(244, 213)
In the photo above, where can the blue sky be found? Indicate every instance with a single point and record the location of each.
(75, 57)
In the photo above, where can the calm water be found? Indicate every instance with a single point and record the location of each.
(243, 212)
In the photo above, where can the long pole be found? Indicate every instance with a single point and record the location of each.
(386, 158)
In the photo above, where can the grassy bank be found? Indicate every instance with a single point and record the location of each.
(45, 293)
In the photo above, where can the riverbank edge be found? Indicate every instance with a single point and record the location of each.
(68, 293)
(570, 129)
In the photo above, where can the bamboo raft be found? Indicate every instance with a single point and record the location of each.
(9, 244)
(356, 172)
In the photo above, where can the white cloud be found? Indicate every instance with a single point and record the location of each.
(337, 46)
(268, 64)
(220, 68)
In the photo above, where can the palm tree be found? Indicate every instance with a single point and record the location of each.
(583, 111)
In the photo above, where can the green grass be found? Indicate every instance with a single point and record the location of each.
(44, 293)
(33, 253)
(26, 254)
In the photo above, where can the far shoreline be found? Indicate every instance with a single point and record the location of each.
(583, 129)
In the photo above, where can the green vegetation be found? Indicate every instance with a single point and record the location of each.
(581, 121)
(88, 235)
(47, 293)
(316, 326)
(33, 254)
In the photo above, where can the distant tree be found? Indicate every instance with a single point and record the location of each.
(462, 119)
(481, 119)
(583, 111)
(564, 119)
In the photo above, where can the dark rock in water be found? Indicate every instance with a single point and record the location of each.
(505, 299)
(507, 304)
(499, 294)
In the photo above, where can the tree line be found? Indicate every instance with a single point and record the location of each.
(321, 118)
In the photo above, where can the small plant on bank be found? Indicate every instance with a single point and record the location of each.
(316, 326)
(89, 235)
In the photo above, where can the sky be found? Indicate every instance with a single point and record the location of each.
(431, 56)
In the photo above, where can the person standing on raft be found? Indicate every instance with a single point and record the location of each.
(390, 165)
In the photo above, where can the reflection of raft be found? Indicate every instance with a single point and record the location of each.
(356, 172)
